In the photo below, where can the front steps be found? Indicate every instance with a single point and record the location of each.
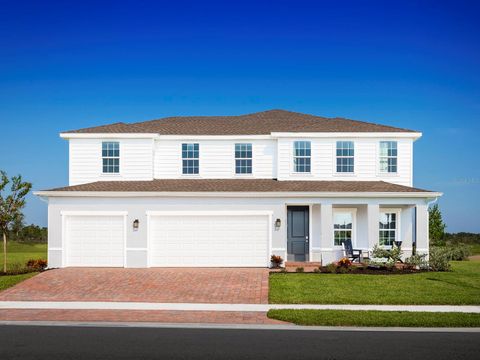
(308, 266)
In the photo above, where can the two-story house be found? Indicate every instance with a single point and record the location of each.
(230, 191)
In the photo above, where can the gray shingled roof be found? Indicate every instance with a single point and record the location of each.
(260, 123)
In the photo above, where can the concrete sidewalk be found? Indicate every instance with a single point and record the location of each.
(144, 306)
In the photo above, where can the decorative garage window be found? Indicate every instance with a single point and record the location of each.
(190, 155)
(388, 156)
(243, 158)
(110, 157)
(301, 156)
(345, 156)
(342, 227)
(388, 228)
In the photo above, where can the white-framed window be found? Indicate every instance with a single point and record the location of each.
(243, 158)
(110, 157)
(343, 226)
(302, 154)
(190, 158)
(388, 228)
(345, 157)
(388, 156)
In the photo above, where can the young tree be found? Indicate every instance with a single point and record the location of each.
(436, 226)
(11, 204)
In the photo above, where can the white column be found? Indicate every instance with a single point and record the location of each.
(373, 216)
(422, 229)
(326, 226)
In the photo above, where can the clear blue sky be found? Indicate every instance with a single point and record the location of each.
(409, 64)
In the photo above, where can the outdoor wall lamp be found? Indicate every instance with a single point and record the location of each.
(136, 223)
(278, 223)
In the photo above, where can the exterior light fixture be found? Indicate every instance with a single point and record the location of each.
(278, 223)
(136, 223)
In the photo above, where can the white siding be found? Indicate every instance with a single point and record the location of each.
(85, 164)
(323, 163)
(217, 159)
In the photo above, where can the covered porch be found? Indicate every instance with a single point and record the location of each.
(363, 222)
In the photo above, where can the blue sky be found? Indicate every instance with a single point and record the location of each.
(410, 64)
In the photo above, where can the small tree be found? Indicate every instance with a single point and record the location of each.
(436, 226)
(11, 204)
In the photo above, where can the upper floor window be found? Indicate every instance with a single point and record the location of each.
(190, 155)
(110, 157)
(301, 156)
(243, 158)
(345, 156)
(388, 156)
(342, 227)
(387, 228)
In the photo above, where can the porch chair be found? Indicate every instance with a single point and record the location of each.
(351, 253)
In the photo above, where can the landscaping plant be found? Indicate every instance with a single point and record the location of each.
(276, 261)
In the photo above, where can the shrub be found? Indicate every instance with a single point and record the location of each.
(16, 269)
(342, 270)
(316, 270)
(344, 263)
(276, 261)
(395, 253)
(37, 264)
(416, 261)
(458, 251)
(439, 259)
(331, 268)
(300, 269)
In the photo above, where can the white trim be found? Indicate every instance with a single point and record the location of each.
(93, 213)
(55, 249)
(214, 137)
(352, 211)
(108, 135)
(136, 249)
(279, 249)
(52, 193)
(412, 135)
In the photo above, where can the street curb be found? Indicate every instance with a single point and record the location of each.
(234, 326)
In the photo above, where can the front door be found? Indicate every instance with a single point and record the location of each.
(297, 233)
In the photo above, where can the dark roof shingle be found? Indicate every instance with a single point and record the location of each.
(239, 185)
(260, 123)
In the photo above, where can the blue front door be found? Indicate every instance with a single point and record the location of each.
(297, 233)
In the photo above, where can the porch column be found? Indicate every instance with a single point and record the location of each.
(373, 216)
(421, 222)
(326, 231)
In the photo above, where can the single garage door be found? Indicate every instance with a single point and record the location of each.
(209, 240)
(95, 240)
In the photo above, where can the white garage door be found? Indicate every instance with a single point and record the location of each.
(209, 240)
(95, 240)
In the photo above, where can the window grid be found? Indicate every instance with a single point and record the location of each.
(387, 229)
(302, 156)
(345, 157)
(388, 156)
(243, 158)
(110, 157)
(190, 158)
(342, 228)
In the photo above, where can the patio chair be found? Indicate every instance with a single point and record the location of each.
(351, 253)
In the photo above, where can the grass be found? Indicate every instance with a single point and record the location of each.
(458, 287)
(7, 281)
(17, 255)
(375, 318)
(20, 253)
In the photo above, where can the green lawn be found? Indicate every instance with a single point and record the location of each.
(460, 286)
(375, 318)
(7, 281)
(20, 253)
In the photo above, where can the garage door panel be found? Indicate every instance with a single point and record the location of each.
(95, 240)
(209, 240)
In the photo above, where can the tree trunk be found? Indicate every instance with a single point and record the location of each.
(4, 252)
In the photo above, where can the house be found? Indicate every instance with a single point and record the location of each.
(230, 191)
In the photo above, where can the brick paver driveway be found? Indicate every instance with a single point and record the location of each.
(192, 285)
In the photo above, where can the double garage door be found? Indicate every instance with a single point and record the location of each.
(195, 239)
